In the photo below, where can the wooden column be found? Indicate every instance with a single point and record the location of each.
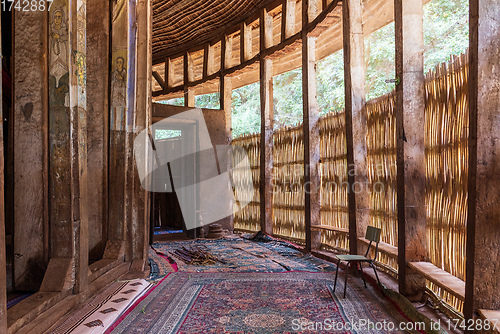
(312, 182)
(483, 229)
(356, 128)
(169, 73)
(266, 126)
(98, 123)
(3, 262)
(410, 129)
(189, 98)
(30, 141)
(288, 19)
(142, 120)
(266, 145)
(119, 109)
(78, 103)
(245, 42)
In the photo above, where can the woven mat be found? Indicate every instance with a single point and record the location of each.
(104, 309)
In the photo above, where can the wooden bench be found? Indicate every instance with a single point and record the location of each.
(494, 317)
(441, 278)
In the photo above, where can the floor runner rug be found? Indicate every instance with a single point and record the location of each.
(240, 303)
(159, 266)
(241, 255)
(105, 308)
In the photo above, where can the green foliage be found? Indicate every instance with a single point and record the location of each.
(208, 101)
(446, 32)
(287, 98)
(245, 107)
(175, 102)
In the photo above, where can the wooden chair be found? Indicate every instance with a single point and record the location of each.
(372, 234)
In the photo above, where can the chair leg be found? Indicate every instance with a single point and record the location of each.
(378, 280)
(346, 272)
(362, 273)
(336, 274)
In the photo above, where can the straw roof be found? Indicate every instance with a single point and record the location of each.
(179, 25)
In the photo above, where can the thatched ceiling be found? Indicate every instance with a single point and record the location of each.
(182, 24)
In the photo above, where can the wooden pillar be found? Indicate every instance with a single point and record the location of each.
(31, 147)
(266, 145)
(3, 262)
(266, 126)
(410, 129)
(312, 182)
(78, 103)
(483, 230)
(356, 128)
(119, 110)
(189, 98)
(169, 73)
(288, 19)
(226, 90)
(245, 42)
(98, 123)
(142, 120)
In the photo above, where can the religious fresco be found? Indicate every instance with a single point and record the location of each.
(118, 92)
(59, 58)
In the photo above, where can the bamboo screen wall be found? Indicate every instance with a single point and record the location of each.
(446, 137)
(381, 162)
(288, 178)
(334, 186)
(247, 218)
(447, 123)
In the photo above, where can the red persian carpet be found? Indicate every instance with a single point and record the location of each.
(288, 302)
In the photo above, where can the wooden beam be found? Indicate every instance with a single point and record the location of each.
(484, 178)
(410, 130)
(312, 180)
(159, 79)
(354, 71)
(266, 145)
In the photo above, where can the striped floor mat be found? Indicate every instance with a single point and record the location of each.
(104, 309)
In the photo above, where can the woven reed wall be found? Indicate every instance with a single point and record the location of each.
(333, 173)
(381, 162)
(247, 218)
(446, 138)
(288, 183)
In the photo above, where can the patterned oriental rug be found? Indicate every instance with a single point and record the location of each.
(290, 302)
(242, 255)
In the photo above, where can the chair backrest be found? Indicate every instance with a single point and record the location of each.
(373, 235)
